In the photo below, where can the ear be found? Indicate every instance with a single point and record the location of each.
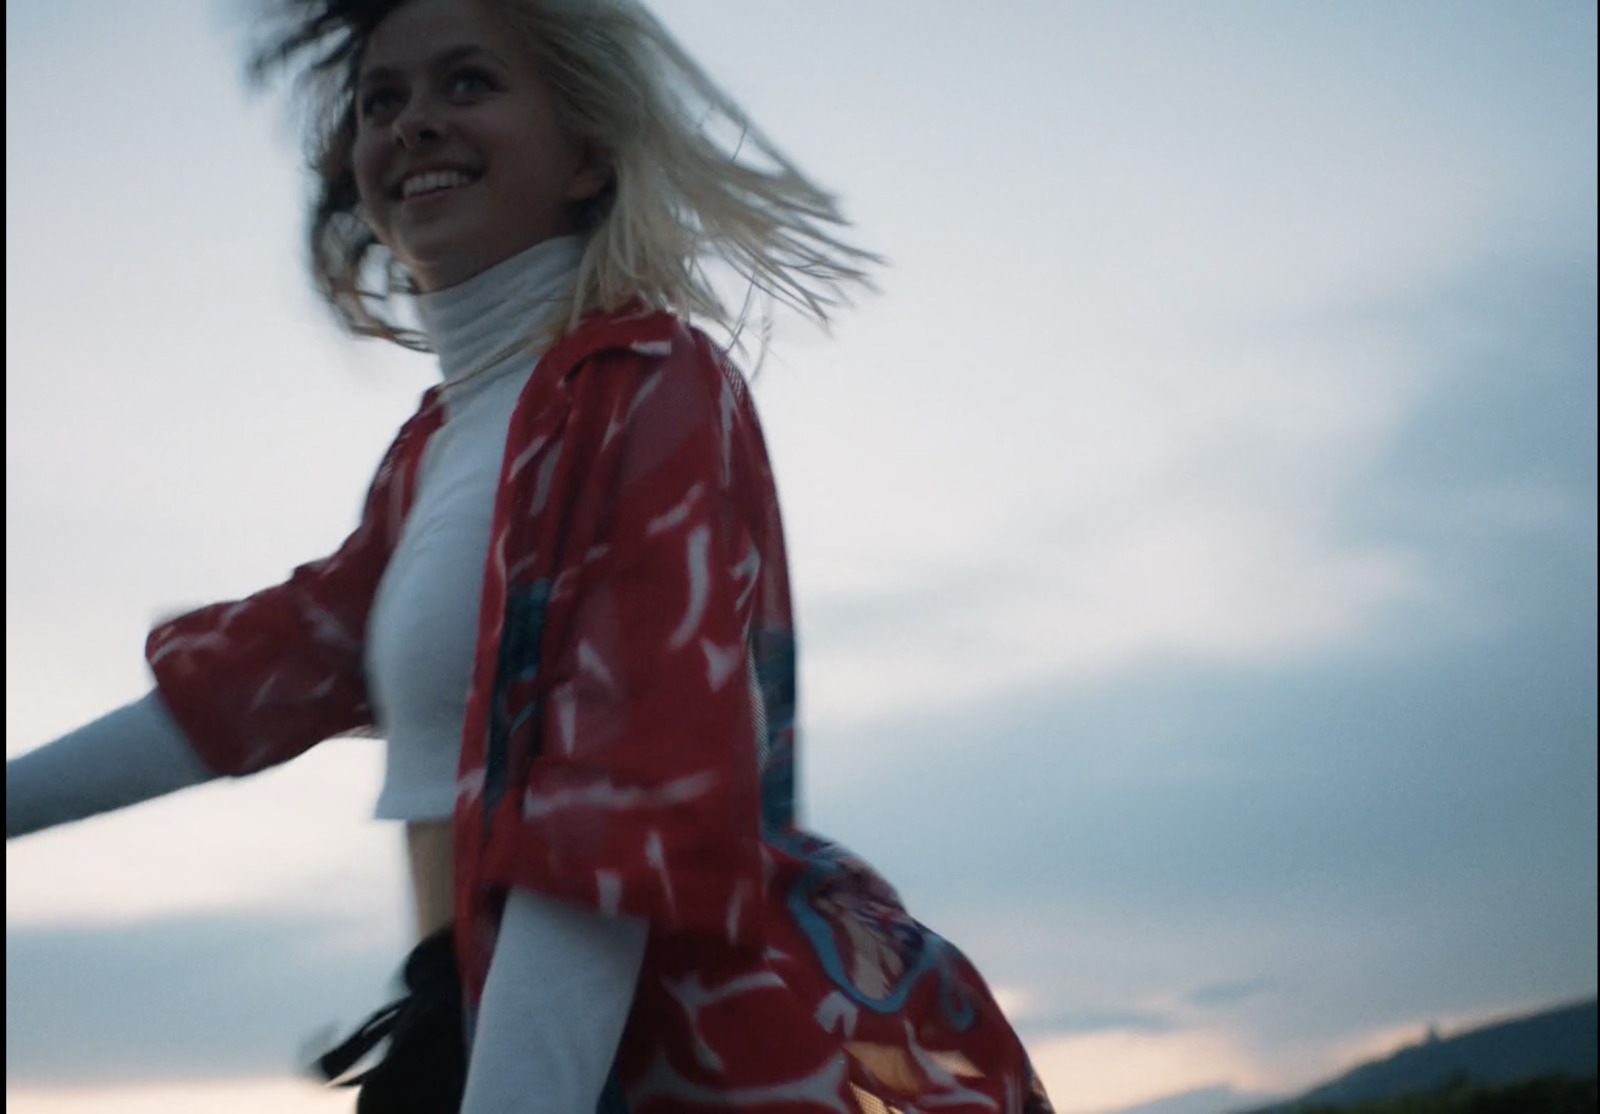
(591, 174)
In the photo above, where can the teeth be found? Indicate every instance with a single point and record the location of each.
(433, 180)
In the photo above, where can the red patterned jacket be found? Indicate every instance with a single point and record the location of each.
(629, 742)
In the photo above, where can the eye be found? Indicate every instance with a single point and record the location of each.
(379, 100)
(470, 81)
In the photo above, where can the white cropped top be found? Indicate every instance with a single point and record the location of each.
(424, 620)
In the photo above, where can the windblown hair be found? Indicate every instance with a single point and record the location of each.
(694, 183)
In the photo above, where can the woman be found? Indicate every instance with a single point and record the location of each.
(566, 605)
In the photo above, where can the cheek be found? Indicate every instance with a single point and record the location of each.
(540, 154)
(366, 161)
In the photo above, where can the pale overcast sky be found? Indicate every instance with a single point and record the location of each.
(1195, 541)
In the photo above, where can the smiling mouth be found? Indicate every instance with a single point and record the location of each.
(433, 182)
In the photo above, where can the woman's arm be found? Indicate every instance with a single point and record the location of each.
(239, 686)
(559, 990)
(133, 754)
(255, 682)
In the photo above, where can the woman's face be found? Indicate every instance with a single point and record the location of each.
(459, 158)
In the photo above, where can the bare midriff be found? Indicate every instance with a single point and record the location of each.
(432, 880)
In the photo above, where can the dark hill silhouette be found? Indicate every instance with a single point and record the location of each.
(1559, 1041)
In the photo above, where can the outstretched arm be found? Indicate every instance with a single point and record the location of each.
(134, 754)
(239, 686)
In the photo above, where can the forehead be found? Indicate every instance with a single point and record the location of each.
(418, 32)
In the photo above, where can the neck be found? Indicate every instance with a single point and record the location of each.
(496, 311)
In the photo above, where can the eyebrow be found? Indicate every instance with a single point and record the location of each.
(440, 61)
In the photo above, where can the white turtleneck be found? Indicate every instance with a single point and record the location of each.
(424, 621)
(561, 980)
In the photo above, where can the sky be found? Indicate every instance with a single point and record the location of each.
(1194, 539)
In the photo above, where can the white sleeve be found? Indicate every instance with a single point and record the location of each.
(130, 755)
(560, 985)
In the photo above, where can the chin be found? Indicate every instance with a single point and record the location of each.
(438, 263)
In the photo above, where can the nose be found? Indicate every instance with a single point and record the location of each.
(417, 124)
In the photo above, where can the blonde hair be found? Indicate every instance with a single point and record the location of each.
(694, 183)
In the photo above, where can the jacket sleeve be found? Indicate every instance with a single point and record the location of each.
(257, 681)
(640, 795)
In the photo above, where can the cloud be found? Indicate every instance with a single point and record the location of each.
(1391, 821)
(191, 997)
(1091, 1073)
(1258, 539)
(1230, 993)
(1033, 1023)
(1201, 1100)
(296, 839)
(1245, 489)
(236, 1096)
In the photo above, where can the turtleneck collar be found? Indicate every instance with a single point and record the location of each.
(492, 311)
